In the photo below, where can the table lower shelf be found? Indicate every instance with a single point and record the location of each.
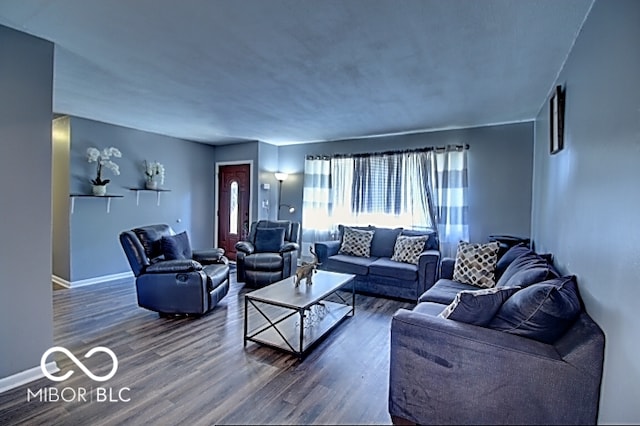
(290, 329)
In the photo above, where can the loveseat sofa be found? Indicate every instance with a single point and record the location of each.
(376, 271)
(525, 353)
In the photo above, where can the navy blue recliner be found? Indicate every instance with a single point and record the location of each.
(269, 254)
(191, 282)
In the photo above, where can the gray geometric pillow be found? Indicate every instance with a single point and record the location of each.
(356, 242)
(408, 249)
(476, 264)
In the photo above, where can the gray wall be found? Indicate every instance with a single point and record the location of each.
(26, 314)
(190, 175)
(61, 142)
(500, 170)
(586, 197)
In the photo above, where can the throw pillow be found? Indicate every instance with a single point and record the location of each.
(510, 256)
(356, 242)
(476, 263)
(176, 246)
(520, 263)
(269, 239)
(477, 306)
(541, 311)
(408, 249)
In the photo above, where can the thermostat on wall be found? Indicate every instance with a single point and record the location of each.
(266, 186)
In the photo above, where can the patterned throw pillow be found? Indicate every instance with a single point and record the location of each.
(408, 249)
(476, 264)
(477, 307)
(356, 242)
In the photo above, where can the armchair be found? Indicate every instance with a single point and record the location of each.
(269, 254)
(170, 277)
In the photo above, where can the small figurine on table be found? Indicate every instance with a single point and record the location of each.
(307, 270)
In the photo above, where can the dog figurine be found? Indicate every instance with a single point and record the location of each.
(307, 270)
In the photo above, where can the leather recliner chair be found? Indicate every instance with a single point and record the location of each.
(181, 286)
(267, 256)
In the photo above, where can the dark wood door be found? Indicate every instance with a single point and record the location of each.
(233, 202)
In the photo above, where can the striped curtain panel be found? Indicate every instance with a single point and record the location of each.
(448, 183)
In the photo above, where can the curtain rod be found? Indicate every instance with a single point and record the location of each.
(395, 152)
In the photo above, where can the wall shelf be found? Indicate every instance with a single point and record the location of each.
(108, 197)
(157, 191)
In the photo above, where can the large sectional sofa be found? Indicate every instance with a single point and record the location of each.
(377, 273)
(524, 353)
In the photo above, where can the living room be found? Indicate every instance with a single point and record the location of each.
(515, 187)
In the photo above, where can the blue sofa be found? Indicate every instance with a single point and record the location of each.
(544, 368)
(378, 274)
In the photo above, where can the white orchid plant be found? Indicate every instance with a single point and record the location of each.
(103, 160)
(151, 170)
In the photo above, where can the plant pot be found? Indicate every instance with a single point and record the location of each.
(99, 190)
(151, 184)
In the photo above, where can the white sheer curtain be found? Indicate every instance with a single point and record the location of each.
(414, 190)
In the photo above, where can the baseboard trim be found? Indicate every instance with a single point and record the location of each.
(90, 281)
(23, 377)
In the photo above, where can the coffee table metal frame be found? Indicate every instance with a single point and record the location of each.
(286, 330)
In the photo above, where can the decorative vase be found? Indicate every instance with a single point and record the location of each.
(151, 184)
(99, 190)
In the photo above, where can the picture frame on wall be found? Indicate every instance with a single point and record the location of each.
(556, 120)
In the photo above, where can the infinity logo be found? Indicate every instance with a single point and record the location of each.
(77, 362)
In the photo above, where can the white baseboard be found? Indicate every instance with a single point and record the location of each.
(19, 379)
(90, 281)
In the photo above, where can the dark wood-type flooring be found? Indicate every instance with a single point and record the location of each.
(196, 371)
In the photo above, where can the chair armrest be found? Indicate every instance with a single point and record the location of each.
(289, 247)
(209, 256)
(325, 249)
(428, 263)
(446, 268)
(171, 266)
(245, 247)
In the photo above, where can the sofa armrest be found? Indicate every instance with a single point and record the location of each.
(287, 247)
(246, 247)
(446, 268)
(210, 256)
(439, 365)
(325, 249)
(173, 266)
(428, 263)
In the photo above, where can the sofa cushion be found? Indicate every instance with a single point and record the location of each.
(269, 240)
(477, 306)
(390, 268)
(176, 247)
(531, 275)
(349, 264)
(541, 311)
(522, 262)
(383, 241)
(511, 254)
(407, 249)
(444, 291)
(476, 264)
(356, 242)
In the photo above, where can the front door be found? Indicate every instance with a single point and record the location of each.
(233, 200)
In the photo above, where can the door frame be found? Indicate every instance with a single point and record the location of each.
(217, 197)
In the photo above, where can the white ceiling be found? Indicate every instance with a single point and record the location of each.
(290, 71)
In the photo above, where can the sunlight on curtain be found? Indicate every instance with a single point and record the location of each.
(412, 190)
